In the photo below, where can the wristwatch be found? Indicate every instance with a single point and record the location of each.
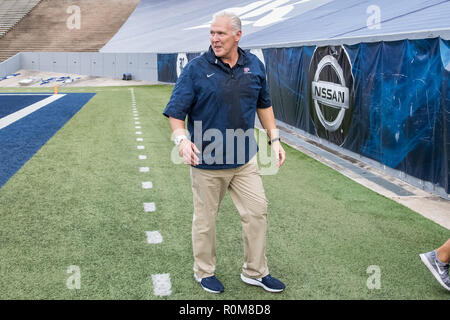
(179, 138)
(273, 140)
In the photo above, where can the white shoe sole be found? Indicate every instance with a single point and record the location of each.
(433, 272)
(258, 283)
(199, 280)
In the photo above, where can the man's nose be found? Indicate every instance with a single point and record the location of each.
(214, 37)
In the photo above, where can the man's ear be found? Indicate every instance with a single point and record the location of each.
(238, 35)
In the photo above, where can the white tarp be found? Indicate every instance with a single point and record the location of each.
(183, 26)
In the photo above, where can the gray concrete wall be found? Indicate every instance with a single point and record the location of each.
(142, 66)
(10, 65)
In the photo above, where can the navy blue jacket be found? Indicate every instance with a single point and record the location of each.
(221, 103)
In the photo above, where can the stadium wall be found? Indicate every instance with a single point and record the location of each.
(385, 102)
(10, 65)
(142, 66)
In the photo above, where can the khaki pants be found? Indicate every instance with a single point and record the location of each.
(246, 190)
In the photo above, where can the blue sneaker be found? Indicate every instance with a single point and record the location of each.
(268, 283)
(210, 284)
(437, 268)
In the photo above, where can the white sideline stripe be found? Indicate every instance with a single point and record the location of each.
(142, 157)
(161, 284)
(147, 185)
(141, 147)
(13, 117)
(144, 169)
(25, 94)
(149, 207)
(154, 237)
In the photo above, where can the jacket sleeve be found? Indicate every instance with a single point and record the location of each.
(183, 96)
(264, 96)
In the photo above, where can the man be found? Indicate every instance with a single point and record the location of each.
(437, 261)
(220, 92)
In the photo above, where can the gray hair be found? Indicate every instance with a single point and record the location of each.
(234, 19)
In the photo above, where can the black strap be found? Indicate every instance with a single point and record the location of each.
(273, 140)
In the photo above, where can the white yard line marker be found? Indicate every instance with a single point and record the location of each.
(137, 122)
(140, 139)
(142, 157)
(147, 185)
(144, 169)
(161, 284)
(13, 117)
(149, 207)
(141, 147)
(154, 237)
(138, 132)
(137, 127)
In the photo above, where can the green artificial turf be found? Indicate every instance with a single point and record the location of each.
(79, 201)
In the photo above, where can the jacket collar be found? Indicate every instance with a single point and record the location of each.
(211, 57)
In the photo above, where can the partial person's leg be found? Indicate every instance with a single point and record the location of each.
(443, 252)
(208, 189)
(437, 261)
(247, 192)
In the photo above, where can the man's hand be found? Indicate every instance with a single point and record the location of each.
(280, 154)
(188, 151)
(267, 119)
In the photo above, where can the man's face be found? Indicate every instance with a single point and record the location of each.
(223, 41)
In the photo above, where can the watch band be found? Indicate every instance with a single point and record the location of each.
(273, 140)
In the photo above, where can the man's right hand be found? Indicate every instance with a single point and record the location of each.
(188, 151)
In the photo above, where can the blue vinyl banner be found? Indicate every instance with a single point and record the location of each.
(388, 101)
(170, 65)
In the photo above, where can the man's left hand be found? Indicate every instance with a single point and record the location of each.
(280, 154)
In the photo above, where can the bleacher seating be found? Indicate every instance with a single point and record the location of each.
(12, 11)
(45, 28)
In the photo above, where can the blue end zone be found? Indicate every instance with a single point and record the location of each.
(22, 139)
(10, 103)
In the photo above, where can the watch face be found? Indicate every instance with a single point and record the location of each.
(179, 138)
